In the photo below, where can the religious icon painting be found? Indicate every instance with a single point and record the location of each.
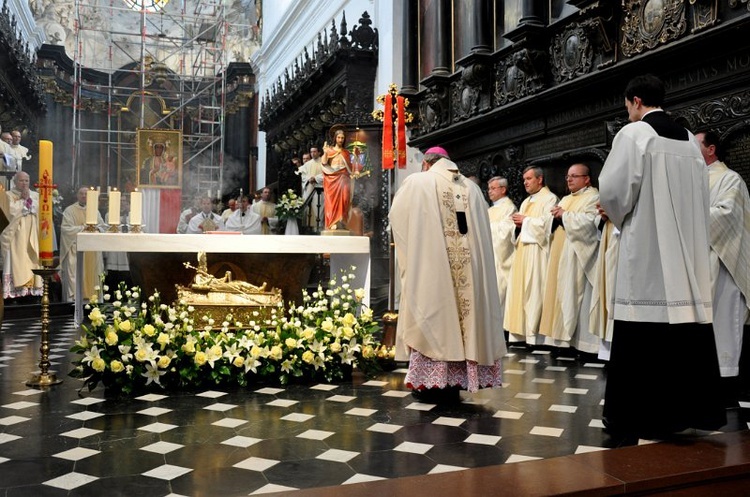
(159, 158)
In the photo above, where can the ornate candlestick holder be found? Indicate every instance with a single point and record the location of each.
(114, 228)
(90, 228)
(44, 378)
(136, 228)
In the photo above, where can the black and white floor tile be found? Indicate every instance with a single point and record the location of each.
(268, 438)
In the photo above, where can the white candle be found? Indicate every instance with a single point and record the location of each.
(92, 201)
(136, 208)
(114, 206)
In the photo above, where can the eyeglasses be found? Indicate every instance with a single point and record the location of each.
(569, 176)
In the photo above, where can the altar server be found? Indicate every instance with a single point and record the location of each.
(245, 219)
(663, 372)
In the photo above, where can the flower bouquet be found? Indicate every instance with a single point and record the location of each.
(132, 344)
(289, 206)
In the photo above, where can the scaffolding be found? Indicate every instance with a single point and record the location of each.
(158, 65)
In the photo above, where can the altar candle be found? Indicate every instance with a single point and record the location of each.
(114, 206)
(92, 202)
(136, 208)
(46, 255)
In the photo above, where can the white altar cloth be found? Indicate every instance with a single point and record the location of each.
(345, 251)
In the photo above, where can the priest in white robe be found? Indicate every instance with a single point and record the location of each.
(663, 374)
(601, 311)
(450, 319)
(244, 219)
(205, 220)
(571, 268)
(267, 212)
(19, 241)
(533, 224)
(502, 228)
(311, 176)
(729, 233)
(74, 220)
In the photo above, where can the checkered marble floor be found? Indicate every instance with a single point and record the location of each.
(268, 438)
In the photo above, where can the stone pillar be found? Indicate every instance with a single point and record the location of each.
(474, 26)
(442, 39)
(532, 13)
(410, 40)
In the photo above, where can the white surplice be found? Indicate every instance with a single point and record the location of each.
(247, 222)
(502, 228)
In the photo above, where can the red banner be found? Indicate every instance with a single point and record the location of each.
(400, 133)
(388, 132)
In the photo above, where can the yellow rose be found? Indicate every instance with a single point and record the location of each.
(368, 351)
(348, 319)
(96, 317)
(308, 356)
(359, 293)
(116, 366)
(162, 339)
(335, 347)
(125, 326)
(148, 330)
(164, 362)
(327, 326)
(348, 332)
(290, 342)
(276, 352)
(256, 352)
(309, 333)
(366, 315)
(111, 338)
(141, 355)
(239, 361)
(200, 358)
(98, 364)
(189, 348)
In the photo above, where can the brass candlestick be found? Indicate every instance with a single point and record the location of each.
(114, 228)
(44, 378)
(136, 228)
(90, 228)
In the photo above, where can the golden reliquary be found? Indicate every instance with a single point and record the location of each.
(216, 298)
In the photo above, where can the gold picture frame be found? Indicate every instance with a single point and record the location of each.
(159, 158)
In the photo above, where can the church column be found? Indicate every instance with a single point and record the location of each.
(474, 26)
(532, 13)
(410, 41)
(442, 38)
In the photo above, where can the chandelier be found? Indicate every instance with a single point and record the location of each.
(147, 5)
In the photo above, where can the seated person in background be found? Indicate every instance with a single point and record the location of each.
(206, 220)
(245, 219)
(187, 215)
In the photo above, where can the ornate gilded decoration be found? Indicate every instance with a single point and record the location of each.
(572, 53)
(519, 75)
(466, 93)
(704, 14)
(735, 3)
(216, 297)
(650, 23)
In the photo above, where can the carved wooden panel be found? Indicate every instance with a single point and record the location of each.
(650, 23)
(572, 53)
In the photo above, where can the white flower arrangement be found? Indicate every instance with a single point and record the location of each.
(129, 344)
(289, 206)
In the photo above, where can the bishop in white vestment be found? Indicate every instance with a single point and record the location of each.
(450, 319)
